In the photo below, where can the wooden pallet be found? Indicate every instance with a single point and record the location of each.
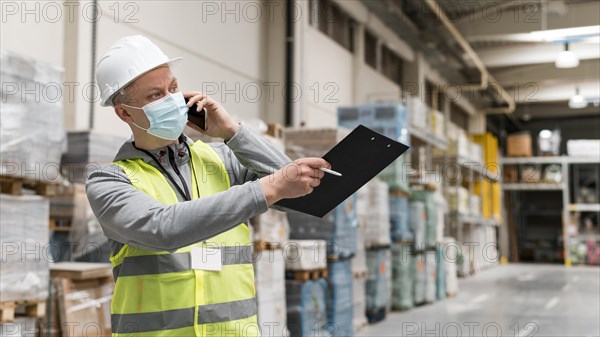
(451, 294)
(360, 274)
(15, 185)
(305, 275)
(59, 224)
(336, 257)
(8, 309)
(264, 245)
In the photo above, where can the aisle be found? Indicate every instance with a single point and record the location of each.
(514, 300)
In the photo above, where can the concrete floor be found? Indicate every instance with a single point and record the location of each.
(516, 300)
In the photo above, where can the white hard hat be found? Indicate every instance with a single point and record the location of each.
(125, 61)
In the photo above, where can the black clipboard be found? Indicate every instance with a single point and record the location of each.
(359, 157)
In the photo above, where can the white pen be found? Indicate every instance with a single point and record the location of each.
(326, 170)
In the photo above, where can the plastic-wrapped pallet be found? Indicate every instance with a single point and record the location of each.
(379, 287)
(269, 276)
(340, 309)
(476, 153)
(305, 255)
(420, 278)
(359, 261)
(32, 131)
(417, 221)
(431, 221)
(450, 254)
(400, 218)
(24, 228)
(440, 274)
(306, 142)
(442, 209)
(360, 302)
(425, 287)
(390, 120)
(338, 228)
(402, 276)
(458, 200)
(306, 307)
(374, 212)
(474, 205)
(88, 151)
(271, 226)
(417, 110)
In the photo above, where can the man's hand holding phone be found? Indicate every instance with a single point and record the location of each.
(217, 121)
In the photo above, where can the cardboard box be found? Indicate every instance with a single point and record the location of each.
(531, 173)
(519, 145)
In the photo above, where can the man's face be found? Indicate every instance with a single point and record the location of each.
(150, 87)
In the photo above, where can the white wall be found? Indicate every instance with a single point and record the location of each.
(227, 50)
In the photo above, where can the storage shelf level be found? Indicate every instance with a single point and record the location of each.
(532, 187)
(428, 138)
(584, 207)
(550, 160)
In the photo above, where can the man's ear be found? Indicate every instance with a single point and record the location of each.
(123, 114)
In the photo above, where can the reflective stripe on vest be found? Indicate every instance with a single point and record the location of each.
(159, 294)
(181, 318)
(172, 263)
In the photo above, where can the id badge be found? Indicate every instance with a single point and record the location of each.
(206, 258)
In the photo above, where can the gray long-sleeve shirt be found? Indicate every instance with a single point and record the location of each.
(130, 216)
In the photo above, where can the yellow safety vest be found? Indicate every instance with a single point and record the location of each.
(159, 294)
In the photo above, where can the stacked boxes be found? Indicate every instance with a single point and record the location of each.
(338, 228)
(32, 131)
(489, 144)
(431, 222)
(441, 274)
(390, 120)
(269, 276)
(418, 217)
(306, 311)
(270, 227)
(437, 124)
(425, 277)
(340, 307)
(379, 287)
(449, 257)
(402, 276)
(417, 110)
(400, 218)
(24, 219)
(359, 302)
(305, 255)
(373, 210)
(88, 151)
(300, 142)
(458, 199)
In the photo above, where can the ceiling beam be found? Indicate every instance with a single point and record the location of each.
(514, 55)
(547, 73)
(525, 19)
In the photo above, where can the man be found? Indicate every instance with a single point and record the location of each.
(174, 210)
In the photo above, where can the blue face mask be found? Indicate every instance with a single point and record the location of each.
(167, 116)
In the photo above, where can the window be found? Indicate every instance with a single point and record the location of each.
(434, 95)
(370, 49)
(458, 116)
(333, 22)
(391, 65)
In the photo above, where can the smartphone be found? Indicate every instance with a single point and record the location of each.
(199, 118)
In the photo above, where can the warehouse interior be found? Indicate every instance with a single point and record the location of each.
(487, 225)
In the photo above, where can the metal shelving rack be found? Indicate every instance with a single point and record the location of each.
(564, 186)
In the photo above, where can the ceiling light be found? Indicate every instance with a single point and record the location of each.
(577, 101)
(567, 59)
